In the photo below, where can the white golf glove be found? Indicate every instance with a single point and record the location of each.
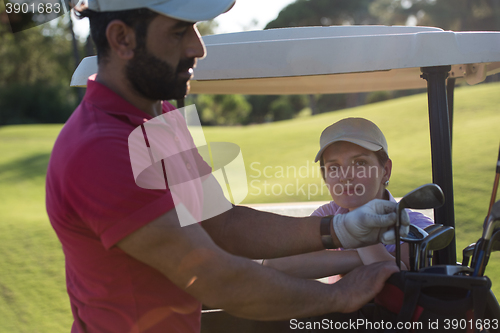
(369, 224)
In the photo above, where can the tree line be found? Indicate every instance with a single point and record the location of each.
(36, 64)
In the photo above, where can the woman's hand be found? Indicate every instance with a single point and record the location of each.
(316, 265)
(378, 252)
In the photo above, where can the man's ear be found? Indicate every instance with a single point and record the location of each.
(121, 39)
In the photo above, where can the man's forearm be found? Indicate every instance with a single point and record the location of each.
(261, 293)
(254, 234)
(246, 289)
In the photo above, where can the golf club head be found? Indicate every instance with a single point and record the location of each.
(493, 221)
(478, 259)
(481, 258)
(414, 238)
(415, 234)
(494, 244)
(484, 247)
(467, 253)
(423, 197)
(431, 227)
(495, 211)
(438, 239)
(495, 239)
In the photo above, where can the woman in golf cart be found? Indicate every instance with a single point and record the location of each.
(356, 168)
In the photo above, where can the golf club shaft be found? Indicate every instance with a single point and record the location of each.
(480, 255)
(494, 192)
(495, 184)
(412, 258)
(398, 245)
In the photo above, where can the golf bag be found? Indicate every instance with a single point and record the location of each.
(430, 302)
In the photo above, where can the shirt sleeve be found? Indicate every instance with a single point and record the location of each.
(104, 194)
(326, 209)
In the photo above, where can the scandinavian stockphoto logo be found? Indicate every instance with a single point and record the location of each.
(205, 178)
(24, 14)
(306, 181)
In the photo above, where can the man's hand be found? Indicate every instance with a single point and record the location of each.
(362, 284)
(189, 258)
(369, 224)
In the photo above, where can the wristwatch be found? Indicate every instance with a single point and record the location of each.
(326, 235)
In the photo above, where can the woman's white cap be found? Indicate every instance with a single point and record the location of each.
(359, 131)
(184, 10)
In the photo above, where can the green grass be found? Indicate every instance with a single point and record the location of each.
(32, 285)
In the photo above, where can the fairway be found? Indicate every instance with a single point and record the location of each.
(279, 161)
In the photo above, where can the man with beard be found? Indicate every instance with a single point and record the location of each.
(130, 266)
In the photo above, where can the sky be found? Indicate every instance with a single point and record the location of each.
(245, 15)
(244, 12)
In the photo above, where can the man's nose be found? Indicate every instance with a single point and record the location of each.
(195, 47)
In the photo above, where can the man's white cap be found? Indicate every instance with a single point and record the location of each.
(359, 131)
(184, 10)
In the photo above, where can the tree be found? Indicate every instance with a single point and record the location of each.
(274, 108)
(223, 109)
(286, 107)
(35, 70)
(458, 15)
(207, 27)
(24, 15)
(324, 12)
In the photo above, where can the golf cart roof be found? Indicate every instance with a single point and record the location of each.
(337, 59)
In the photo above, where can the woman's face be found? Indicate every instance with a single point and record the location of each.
(353, 174)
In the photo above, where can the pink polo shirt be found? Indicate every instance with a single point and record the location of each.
(93, 202)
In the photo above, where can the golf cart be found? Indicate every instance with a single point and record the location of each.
(348, 59)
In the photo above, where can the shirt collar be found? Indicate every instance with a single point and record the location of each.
(391, 198)
(106, 100)
(341, 210)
